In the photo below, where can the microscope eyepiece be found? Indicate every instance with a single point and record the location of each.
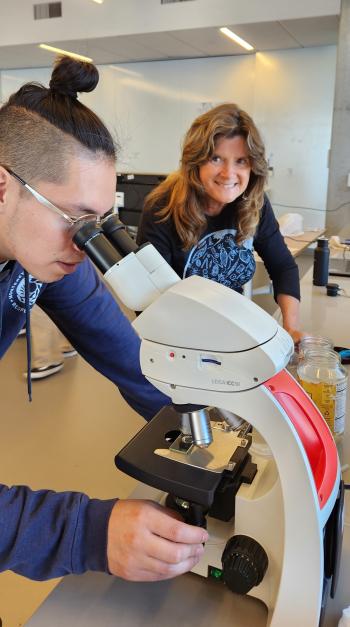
(88, 231)
(118, 257)
(91, 240)
(116, 233)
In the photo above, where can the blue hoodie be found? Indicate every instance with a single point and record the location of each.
(44, 534)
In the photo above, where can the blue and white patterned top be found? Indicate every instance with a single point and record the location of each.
(218, 257)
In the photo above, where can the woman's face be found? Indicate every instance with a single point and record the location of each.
(39, 238)
(226, 175)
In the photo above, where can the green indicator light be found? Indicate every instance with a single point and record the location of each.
(216, 573)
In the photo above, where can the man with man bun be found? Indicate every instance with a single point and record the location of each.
(57, 171)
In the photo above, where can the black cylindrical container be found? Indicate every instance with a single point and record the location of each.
(321, 262)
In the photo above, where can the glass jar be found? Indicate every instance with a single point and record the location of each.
(293, 364)
(307, 343)
(323, 377)
(314, 342)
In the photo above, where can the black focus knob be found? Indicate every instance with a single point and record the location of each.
(244, 564)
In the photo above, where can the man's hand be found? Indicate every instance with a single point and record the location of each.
(148, 542)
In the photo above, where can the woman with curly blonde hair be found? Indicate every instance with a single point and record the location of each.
(209, 216)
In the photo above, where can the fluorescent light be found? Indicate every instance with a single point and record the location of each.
(74, 55)
(98, 1)
(124, 71)
(234, 37)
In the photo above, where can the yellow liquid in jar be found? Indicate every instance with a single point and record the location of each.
(330, 398)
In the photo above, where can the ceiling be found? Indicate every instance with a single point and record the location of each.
(180, 44)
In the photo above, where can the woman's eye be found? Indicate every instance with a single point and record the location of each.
(243, 161)
(215, 159)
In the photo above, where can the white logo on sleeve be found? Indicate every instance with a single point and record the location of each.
(17, 292)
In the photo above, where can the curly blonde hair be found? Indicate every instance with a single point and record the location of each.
(182, 196)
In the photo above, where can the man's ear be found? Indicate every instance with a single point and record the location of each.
(4, 184)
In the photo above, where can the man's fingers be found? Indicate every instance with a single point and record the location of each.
(173, 552)
(167, 526)
(158, 571)
(147, 542)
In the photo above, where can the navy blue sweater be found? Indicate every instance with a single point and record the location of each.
(216, 256)
(44, 534)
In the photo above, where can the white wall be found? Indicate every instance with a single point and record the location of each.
(150, 105)
(293, 109)
(151, 111)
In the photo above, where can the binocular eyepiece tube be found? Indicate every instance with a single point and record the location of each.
(138, 275)
(105, 244)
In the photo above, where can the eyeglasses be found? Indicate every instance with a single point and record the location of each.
(75, 222)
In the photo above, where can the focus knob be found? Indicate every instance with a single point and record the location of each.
(244, 564)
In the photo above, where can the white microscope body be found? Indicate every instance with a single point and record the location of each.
(204, 344)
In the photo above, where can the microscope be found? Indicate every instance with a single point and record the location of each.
(242, 450)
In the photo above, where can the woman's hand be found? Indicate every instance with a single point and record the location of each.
(296, 334)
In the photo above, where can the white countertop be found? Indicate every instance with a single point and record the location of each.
(326, 315)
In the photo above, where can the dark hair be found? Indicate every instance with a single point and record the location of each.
(32, 119)
(59, 105)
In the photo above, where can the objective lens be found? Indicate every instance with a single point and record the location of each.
(195, 421)
(200, 427)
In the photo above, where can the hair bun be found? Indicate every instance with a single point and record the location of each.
(71, 76)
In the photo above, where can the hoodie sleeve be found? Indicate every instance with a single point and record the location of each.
(90, 318)
(270, 245)
(47, 534)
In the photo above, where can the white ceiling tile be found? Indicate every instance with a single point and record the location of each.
(182, 44)
(265, 36)
(168, 45)
(210, 41)
(317, 31)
